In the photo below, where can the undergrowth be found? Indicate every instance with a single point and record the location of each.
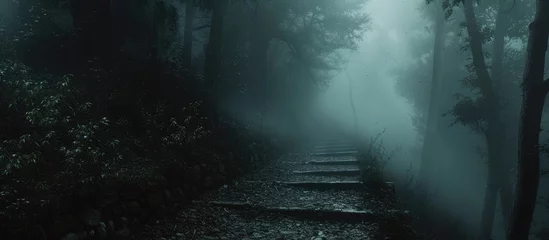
(60, 138)
(394, 223)
(429, 220)
(422, 218)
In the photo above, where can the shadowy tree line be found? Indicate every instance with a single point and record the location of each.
(488, 100)
(97, 92)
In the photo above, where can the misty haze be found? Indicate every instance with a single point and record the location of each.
(274, 119)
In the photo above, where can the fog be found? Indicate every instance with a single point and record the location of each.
(440, 85)
(370, 67)
(391, 43)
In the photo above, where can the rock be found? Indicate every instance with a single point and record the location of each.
(155, 199)
(70, 236)
(91, 217)
(111, 226)
(102, 230)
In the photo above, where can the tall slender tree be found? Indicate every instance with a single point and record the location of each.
(503, 166)
(352, 103)
(430, 136)
(534, 91)
(489, 104)
(188, 33)
(212, 73)
(483, 114)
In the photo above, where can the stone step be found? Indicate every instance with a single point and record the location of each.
(333, 143)
(330, 154)
(335, 184)
(338, 149)
(326, 185)
(334, 162)
(313, 214)
(349, 172)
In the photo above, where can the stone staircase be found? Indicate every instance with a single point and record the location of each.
(317, 195)
(331, 158)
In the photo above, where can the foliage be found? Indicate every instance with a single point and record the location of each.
(394, 224)
(470, 112)
(94, 93)
(373, 158)
(56, 141)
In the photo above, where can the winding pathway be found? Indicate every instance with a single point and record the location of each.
(315, 196)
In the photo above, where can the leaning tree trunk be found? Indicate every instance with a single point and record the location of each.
(213, 59)
(427, 155)
(188, 34)
(534, 92)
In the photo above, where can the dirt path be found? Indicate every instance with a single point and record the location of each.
(300, 196)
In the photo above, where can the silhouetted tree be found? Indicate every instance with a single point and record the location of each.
(535, 90)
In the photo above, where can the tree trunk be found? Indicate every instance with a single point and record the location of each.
(260, 41)
(428, 155)
(534, 92)
(503, 167)
(188, 34)
(491, 191)
(352, 103)
(213, 59)
(498, 44)
(492, 120)
(259, 71)
(93, 25)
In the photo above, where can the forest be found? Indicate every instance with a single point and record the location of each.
(128, 119)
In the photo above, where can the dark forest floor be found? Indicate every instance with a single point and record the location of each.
(262, 206)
